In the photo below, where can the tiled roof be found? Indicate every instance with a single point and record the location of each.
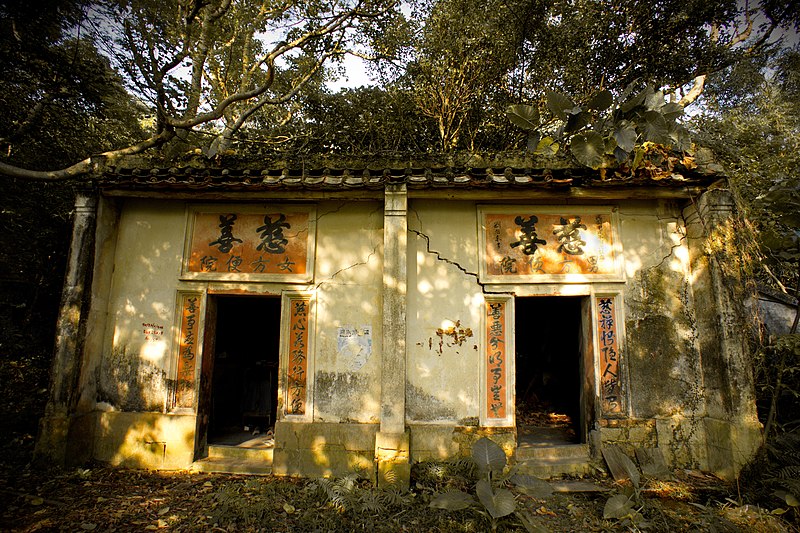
(330, 179)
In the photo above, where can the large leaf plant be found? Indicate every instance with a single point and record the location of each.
(607, 131)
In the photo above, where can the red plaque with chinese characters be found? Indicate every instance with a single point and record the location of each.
(230, 244)
(298, 357)
(496, 364)
(187, 349)
(610, 382)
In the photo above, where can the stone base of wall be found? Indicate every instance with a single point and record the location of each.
(729, 447)
(166, 441)
(708, 444)
(323, 449)
(628, 434)
(440, 443)
(145, 440)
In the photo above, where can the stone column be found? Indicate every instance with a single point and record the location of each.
(392, 441)
(732, 429)
(51, 445)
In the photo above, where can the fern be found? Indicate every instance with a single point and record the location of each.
(369, 501)
(789, 472)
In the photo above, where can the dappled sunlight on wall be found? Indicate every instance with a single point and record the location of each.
(348, 282)
(444, 313)
(145, 440)
(134, 372)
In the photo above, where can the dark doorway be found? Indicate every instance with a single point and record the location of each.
(548, 368)
(244, 380)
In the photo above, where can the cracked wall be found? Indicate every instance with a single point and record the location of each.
(662, 348)
(348, 283)
(444, 312)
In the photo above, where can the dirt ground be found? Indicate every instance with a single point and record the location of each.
(100, 498)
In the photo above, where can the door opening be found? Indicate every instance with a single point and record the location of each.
(243, 395)
(549, 369)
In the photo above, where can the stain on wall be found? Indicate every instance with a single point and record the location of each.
(661, 345)
(424, 407)
(340, 396)
(128, 383)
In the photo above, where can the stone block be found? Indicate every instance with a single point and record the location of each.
(145, 440)
(430, 442)
(392, 456)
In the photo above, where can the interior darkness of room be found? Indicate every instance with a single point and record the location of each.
(548, 355)
(245, 377)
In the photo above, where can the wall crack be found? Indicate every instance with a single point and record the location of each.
(446, 260)
(349, 267)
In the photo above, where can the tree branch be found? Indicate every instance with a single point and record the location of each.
(82, 168)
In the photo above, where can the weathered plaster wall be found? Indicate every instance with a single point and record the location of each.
(444, 314)
(133, 375)
(733, 431)
(662, 351)
(348, 283)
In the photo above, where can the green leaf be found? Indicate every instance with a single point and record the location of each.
(610, 144)
(638, 158)
(636, 101)
(601, 101)
(653, 100)
(672, 111)
(524, 116)
(654, 127)
(499, 503)
(488, 455)
(576, 121)
(588, 148)
(618, 506)
(558, 104)
(625, 135)
(532, 486)
(533, 141)
(678, 136)
(621, 155)
(547, 146)
(454, 500)
(790, 499)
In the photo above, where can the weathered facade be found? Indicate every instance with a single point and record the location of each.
(380, 316)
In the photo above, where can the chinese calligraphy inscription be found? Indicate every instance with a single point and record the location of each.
(610, 382)
(187, 350)
(496, 386)
(526, 244)
(250, 243)
(298, 357)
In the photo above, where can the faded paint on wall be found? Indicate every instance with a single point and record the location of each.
(134, 373)
(355, 343)
(443, 291)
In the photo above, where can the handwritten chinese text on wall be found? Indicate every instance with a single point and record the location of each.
(496, 386)
(525, 244)
(298, 357)
(610, 384)
(187, 350)
(235, 243)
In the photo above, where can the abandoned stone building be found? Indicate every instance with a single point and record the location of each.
(319, 319)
